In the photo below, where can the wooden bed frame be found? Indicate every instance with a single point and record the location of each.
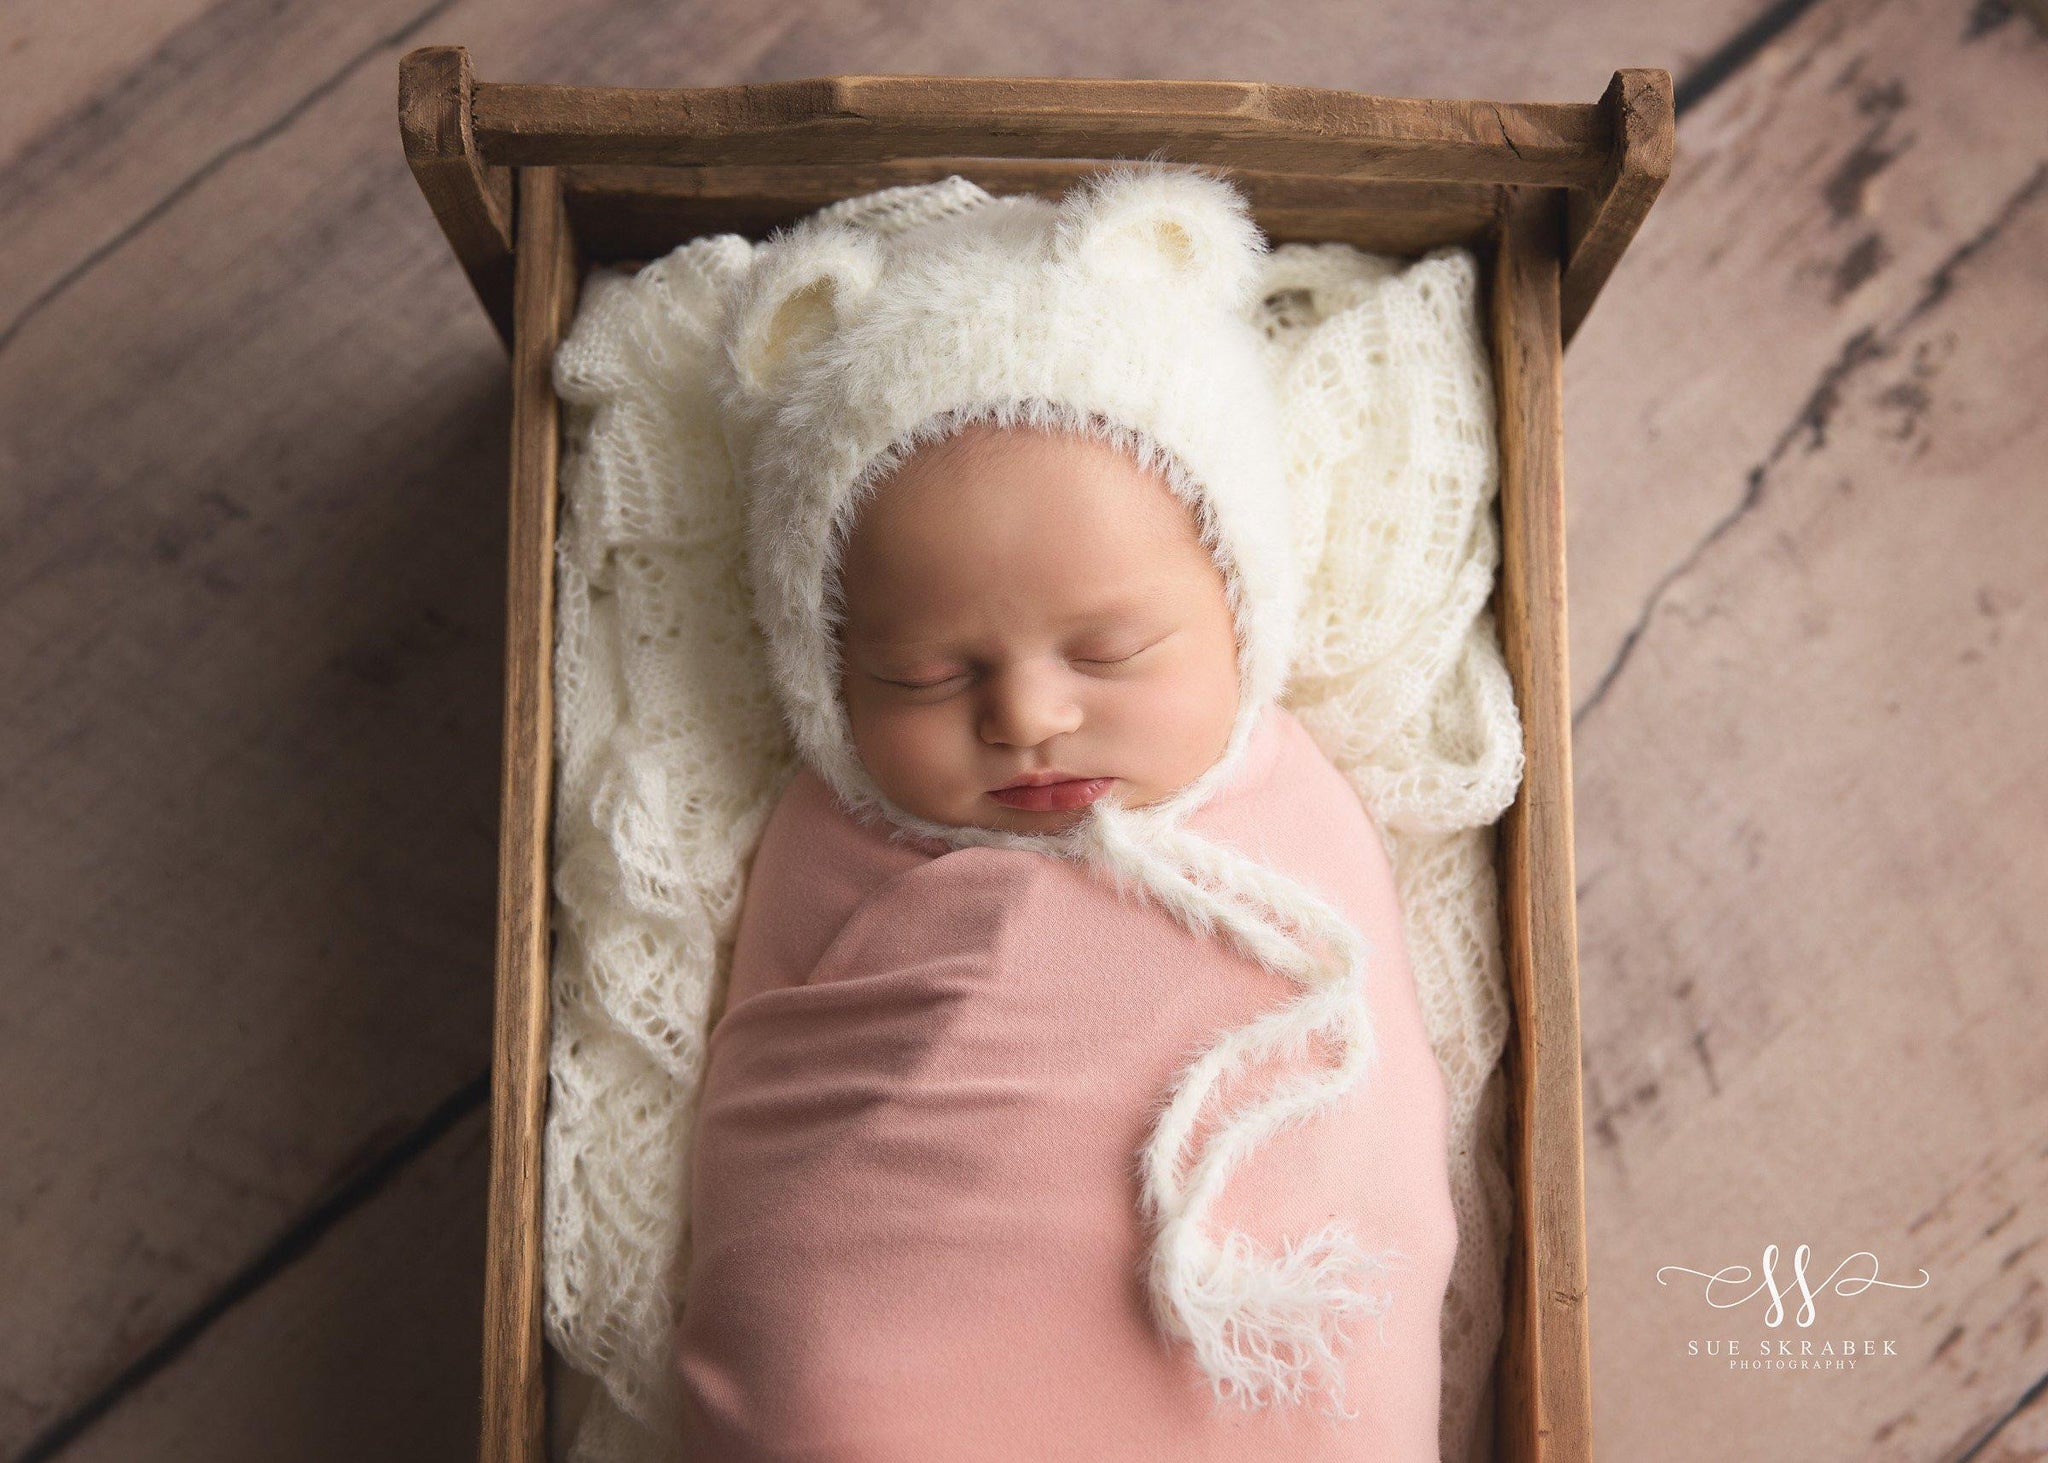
(533, 184)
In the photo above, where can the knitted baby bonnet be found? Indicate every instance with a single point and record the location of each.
(1123, 310)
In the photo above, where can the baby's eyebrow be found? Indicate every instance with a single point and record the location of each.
(1123, 607)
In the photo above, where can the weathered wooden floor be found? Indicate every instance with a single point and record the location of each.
(252, 464)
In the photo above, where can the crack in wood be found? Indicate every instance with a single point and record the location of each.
(1847, 189)
(1501, 125)
(183, 189)
(1718, 67)
(1865, 346)
(291, 1246)
(1706, 1059)
(1987, 16)
(1998, 1425)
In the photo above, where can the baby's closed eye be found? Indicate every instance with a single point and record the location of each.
(1121, 654)
(1098, 654)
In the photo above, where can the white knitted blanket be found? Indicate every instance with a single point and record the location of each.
(669, 757)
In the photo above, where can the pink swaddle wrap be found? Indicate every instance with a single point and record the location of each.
(915, 1232)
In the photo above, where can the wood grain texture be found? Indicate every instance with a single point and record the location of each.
(251, 519)
(862, 119)
(514, 1398)
(623, 212)
(353, 1353)
(2022, 1433)
(1544, 1410)
(114, 114)
(1815, 198)
(1809, 763)
(1816, 1016)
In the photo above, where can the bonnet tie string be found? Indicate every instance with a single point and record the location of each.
(1263, 1326)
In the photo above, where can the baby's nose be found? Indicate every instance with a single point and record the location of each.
(1024, 705)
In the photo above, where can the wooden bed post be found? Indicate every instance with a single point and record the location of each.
(1603, 219)
(545, 288)
(1547, 1420)
(472, 202)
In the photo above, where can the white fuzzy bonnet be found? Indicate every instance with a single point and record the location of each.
(1125, 310)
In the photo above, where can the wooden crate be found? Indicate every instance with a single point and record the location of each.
(532, 184)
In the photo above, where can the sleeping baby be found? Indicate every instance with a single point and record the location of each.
(1071, 1097)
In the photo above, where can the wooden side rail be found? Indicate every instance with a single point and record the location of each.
(1544, 1402)
(1234, 123)
(514, 1400)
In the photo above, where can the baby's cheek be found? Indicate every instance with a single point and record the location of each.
(1175, 724)
(912, 752)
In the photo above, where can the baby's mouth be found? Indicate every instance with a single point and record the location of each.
(1054, 797)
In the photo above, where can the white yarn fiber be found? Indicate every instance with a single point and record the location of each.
(1264, 1328)
(670, 755)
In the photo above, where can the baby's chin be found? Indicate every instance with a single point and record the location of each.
(1020, 820)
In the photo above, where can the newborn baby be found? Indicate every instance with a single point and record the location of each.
(914, 1231)
(1071, 1084)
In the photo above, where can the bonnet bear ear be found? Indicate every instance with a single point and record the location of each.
(806, 285)
(1161, 221)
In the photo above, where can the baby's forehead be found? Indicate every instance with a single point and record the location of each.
(1013, 528)
(988, 477)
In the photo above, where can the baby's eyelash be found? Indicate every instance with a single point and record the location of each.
(1119, 660)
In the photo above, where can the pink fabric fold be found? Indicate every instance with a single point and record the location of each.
(915, 1233)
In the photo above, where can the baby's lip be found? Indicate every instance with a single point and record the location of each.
(1041, 779)
(1058, 795)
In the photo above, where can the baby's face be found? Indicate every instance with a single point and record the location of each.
(1024, 602)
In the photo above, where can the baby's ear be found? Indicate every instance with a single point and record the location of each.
(1162, 222)
(806, 285)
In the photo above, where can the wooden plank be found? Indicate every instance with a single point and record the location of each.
(76, 51)
(1604, 218)
(112, 113)
(2021, 1436)
(1811, 816)
(545, 301)
(1812, 200)
(1544, 1408)
(250, 600)
(625, 212)
(1253, 125)
(364, 1348)
(1808, 752)
(471, 202)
